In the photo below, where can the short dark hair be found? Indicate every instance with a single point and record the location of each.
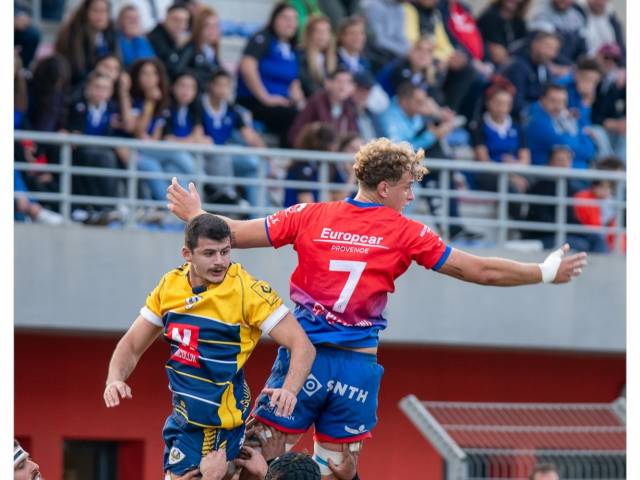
(543, 35)
(96, 75)
(177, 6)
(208, 226)
(586, 63)
(339, 71)
(611, 162)
(550, 87)
(543, 468)
(406, 90)
(293, 466)
(219, 73)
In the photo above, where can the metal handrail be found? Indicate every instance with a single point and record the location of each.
(324, 186)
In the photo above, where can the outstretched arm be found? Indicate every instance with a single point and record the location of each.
(125, 357)
(290, 334)
(186, 205)
(501, 272)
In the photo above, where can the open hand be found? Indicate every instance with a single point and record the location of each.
(113, 391)
(182, 203)
(570, 266)
(283, 399)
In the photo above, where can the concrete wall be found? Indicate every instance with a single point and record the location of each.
(96, 279)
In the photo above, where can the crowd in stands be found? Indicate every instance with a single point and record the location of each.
(509, 86)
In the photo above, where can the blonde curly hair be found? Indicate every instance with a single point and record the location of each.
(383, 160)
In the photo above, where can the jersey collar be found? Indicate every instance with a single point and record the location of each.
(357, 203)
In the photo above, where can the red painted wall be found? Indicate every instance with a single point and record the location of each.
(59, 381)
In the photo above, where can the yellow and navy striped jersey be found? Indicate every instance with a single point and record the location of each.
(212, 331)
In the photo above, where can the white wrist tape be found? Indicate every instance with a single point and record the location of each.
(321, 456)
(549, 267)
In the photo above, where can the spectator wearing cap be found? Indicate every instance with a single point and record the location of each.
(317, 54)
(332, 105)
(24, 468)
(529, 73)
(503, 27)
(87, 35)
(568, 22)
(268, 82)
(133, 44)
(203, 49)
(602, 26)
(610, 106)
(550, 123)
(497, 137)
(169, 39)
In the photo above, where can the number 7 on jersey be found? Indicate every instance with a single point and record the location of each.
(355, 270)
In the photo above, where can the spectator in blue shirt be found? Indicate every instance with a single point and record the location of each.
(497, 137)
(133, 44)
(184, 122)
(94, 114)
(225, 123)
(351, 39)
(407, 118)
(531, 72)
(150, 94)
(550, 123)
(268, 82)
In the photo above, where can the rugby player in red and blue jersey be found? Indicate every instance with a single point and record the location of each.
(349, 254)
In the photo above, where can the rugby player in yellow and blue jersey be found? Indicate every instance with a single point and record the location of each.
(212, 313)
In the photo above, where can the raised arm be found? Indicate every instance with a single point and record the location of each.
(187, 205)
(290, 334)
(125, 357)
(501, 272)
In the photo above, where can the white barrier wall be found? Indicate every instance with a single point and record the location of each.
(96, 279)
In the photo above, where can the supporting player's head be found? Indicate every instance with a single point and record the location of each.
(207, 248)
(545, 471)
(386, 171)
(293, 466)
(24, 468)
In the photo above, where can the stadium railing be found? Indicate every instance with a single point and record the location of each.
(445, 170)
(480, 441)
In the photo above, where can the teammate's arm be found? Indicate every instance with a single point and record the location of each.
(290, 335)
(125, 358)
(187, 205)
(505, 273)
